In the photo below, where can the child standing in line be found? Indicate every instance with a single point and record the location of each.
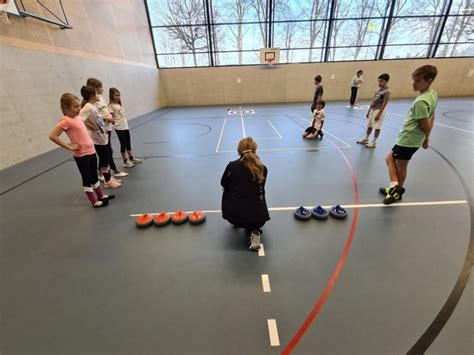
(414, 134)
(121, 128)
(243, 200)
(108, 121)
(96, 129)
(357, 81)
(81, 147)
(376, 111)
(318, 92)
(316, 128)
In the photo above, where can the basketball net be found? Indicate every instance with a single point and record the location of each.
(3, 12)
(270, 62)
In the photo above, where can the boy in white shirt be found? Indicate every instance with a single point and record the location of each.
(315, 130)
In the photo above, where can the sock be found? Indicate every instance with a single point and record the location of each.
(98, 190)
(107, 176)
(130, 157)
(90, 194)
(125, 160)
(393, 183)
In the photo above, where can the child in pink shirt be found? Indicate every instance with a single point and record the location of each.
(81, 147)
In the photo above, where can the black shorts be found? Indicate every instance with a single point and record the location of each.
(403, 153)
(311, 130)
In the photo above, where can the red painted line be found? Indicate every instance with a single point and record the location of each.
(332, 281)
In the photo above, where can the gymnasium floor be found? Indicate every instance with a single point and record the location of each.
(76, 280)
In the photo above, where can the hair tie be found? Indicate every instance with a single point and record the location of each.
(247, 151)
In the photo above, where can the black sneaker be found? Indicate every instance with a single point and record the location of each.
(394, 194)
(384, 190)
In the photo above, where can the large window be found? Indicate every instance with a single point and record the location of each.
(194, 33)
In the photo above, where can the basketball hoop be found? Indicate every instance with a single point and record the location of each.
(270, 62)
(3, 12)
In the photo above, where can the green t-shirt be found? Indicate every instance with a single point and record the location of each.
(411, 134)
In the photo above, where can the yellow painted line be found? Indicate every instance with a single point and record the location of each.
(261, 251)
(266, 283)
(273, 332)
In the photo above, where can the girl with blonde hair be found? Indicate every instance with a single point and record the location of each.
(243, 200)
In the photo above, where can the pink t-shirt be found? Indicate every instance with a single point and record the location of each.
(77, 132)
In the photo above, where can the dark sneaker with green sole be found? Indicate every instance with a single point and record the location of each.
(394, 194)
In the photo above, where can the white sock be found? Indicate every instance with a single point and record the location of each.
(393, 183)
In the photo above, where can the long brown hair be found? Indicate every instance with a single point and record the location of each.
(247, 149)
(112, 92)
(87, 92)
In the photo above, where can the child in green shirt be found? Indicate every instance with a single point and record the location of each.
(414, 134)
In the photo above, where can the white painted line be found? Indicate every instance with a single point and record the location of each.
(220, 137)
(457, 129)
(261, 251)
(273, 332)
(368, 205)
(242, 122)
(271, 124)
(266, 283)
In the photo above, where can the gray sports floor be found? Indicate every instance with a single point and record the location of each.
(76, 280)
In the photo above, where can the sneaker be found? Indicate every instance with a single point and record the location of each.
(255, 241)
(394, 194)
(101, 178)
(384, 191)
(116, 180)
(128, 164)
(136, 161)
(121, 174)
(112, 184)
(372, 144)
(101, 203)
(363, 141)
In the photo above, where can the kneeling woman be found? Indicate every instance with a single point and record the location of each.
(243, 201)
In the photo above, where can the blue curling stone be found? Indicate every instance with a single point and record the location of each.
(338, 212)
(303, 214)
(320, 213)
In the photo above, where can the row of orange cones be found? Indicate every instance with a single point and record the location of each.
(163, 218)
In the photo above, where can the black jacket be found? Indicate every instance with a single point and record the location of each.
(244, 198)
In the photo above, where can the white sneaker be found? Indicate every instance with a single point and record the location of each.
(363, 141)
(372, 144)
(112, 184)
(101, 178)
(128, 164)
(254, 241)
(136, 161)
(121, 174)
(116, 180)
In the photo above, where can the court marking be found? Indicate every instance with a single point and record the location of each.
(261, 251)
(242, 121)
(323, 149)
(271, 124)
(457, 129)
(220, 137)
(348, 206)
(266, 283)
(439, 124)
(273, 332)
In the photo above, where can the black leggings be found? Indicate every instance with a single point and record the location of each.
(354, 90)
(111, 152)
(124, 138)
(103, 153)
(88, 168)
